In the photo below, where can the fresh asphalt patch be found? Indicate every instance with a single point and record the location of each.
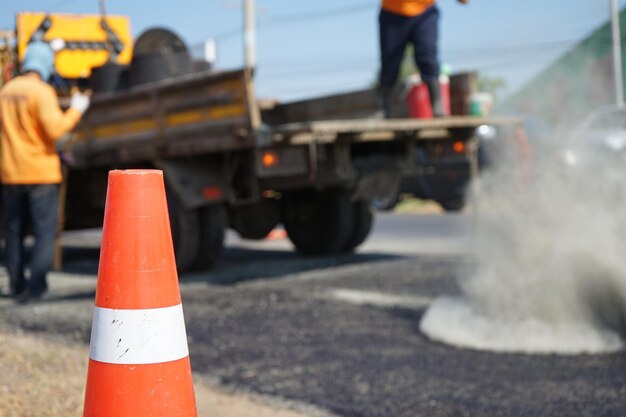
(347, 339)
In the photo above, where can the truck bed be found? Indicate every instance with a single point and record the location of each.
(382, 129)
(199, 113)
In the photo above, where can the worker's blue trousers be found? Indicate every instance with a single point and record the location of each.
(396, 32)
(36, 204)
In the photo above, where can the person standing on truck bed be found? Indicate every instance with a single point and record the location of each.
(416, 22)
(31, 121)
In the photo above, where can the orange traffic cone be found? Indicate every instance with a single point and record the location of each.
(139, 359)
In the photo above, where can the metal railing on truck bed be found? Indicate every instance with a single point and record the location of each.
(199, 113)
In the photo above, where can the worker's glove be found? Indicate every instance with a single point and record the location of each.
(66, 157)
(64, 148)
(80, 102)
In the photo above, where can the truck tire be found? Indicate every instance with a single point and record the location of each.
(362, 222)
(108, 77)
(158, 54)
(453, 204)
(255, 221)
(318, 223)
(212, 228)
(185, 225)
(386, 203)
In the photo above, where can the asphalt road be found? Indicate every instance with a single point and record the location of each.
(341, 333)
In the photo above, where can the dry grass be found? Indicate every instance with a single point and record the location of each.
(43, 378)
(39, 378)
(417, 206)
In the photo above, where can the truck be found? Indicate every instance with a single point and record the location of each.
(231, 162)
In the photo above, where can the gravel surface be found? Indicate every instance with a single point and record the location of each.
(341, 334)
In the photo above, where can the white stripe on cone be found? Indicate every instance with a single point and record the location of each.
(147, 336)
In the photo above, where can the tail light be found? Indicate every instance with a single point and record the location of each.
(269, 159)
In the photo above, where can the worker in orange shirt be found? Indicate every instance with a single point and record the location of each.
(416, 22)
(31, 121)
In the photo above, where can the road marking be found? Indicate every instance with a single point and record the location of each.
(153, 335)
(379, 299)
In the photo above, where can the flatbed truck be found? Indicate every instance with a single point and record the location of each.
(225, 166)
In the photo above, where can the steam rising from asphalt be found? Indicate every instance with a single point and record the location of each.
(550, 245)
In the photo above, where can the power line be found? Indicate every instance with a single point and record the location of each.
(518, 52)
(224, 35)
(295, 17)
(502, 51)
(325, 66)
(510, 53)
(292, 17)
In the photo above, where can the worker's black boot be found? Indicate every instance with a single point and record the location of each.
(434, 90)
(384, 98)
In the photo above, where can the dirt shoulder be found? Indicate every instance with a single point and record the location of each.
(46, 378)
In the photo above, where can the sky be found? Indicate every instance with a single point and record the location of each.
(309, 49)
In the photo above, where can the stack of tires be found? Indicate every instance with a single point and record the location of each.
(158, 54)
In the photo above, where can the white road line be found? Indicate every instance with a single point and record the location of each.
(379, 299)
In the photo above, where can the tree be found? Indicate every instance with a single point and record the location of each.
(491, 85)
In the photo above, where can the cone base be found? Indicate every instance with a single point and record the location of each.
(161, 389)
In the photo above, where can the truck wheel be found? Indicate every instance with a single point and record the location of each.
(318, 223)
(362, 222)
(386, 203)
(255, 221)
(453, 204)
(185, 226)
(212, 227)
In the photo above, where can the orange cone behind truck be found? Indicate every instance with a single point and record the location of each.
(139, 359)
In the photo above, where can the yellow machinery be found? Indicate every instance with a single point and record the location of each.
(90, 40)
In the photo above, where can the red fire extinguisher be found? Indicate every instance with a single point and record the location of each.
(418, 98)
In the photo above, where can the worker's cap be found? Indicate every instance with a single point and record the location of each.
(39, 58)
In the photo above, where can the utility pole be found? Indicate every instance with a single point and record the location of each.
(249, 35)
(617, 54)
(103, 8)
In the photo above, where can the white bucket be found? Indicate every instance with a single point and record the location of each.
(480, 104)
